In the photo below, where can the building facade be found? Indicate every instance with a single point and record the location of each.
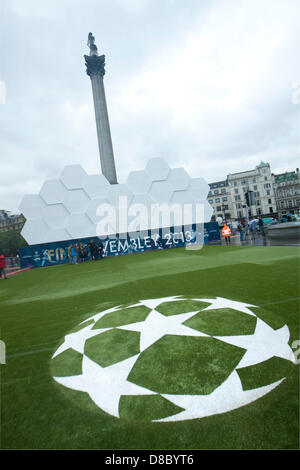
(258, 181)
(219, 198)
(287, 192)
(10, 221)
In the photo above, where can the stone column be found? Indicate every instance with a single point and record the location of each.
(95, 69)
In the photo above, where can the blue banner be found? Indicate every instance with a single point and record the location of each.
(48, 254)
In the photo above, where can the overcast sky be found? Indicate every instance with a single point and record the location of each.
(205, 84)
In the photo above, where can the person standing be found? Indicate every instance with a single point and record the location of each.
(2, 266)
(93, 249)
(261, 226)
(101, 249)
(241, 229)
(74, 253)
(70, 253)
(226, 232)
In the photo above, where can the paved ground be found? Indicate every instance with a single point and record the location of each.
(258, 240)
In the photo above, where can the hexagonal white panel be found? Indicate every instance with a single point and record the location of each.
(94, 205)
(55, 215)
(178, 179)
(181, 197)
(76, 201)
(66, 208)
(96, 186)
(35, 231)
(140, 207)
(157, 169)
(57, 235)
(161, 191)
(73, 177)
(80, 226)
(32, 206)
(198, 188)
(139, 182)
(117, 191)
(53, 192)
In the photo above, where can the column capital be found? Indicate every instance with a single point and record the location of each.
(95, 65)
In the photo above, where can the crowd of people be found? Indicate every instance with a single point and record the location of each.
(78, 253)
(252, 227)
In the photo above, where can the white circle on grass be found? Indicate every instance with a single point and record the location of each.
(106, 385)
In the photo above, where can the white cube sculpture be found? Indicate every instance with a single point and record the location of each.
(66, 208)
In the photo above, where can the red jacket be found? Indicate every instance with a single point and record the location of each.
(2, 261)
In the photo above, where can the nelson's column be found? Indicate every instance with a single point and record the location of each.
(95, 69)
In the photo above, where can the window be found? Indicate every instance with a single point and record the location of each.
(224, 199)
(216, 191)
(211, 201)
(253, 180)
(290, 203)
(236, 191)
(219, 208)
(226, 207)
(268, 192)
(258, 210)
(245, 182)
(237, 198)
(271, 210)
(269, 201)
(266, 178)
(257, 202)
(239, 205)
(223, 191)
(255, 187)
(217, 199)
(297, 202)
(235, 183)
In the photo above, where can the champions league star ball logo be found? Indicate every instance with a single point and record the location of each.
(143, 350)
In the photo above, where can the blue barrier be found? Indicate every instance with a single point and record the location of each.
(48, 254)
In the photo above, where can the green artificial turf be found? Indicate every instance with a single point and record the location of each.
(185, 365)
(39, 307)
(102, 348)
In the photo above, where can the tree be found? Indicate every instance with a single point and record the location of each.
(11, 241)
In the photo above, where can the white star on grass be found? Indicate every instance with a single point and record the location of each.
(264, 344)
(77, 340)
(105, 385)
(228, 396)
(153, 303)
(220, 302)
(157, 325)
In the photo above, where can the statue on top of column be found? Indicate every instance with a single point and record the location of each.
(92, 45)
